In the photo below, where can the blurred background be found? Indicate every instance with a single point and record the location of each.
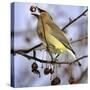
(25, 36)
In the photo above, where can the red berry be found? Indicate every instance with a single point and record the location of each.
(34, 66)
(51, 71)
(36, 72)
(56, 81)
(71, 80)
(46, 71)
(32, 8)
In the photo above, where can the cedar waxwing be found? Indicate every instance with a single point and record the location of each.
(51, 34)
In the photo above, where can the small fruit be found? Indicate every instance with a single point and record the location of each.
(56, 81)
(34, 66)
(71, 80)
(32, 8)
(36, 72)
(46, 71)
(51, 71)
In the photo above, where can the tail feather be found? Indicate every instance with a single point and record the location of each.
(72, 54)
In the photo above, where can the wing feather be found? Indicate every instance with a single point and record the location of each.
(57, 33)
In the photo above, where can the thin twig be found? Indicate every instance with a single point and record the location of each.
(82, 14)
(79, 59)
(79, 39)
(26, 51)
(81, 77)
(50, 62)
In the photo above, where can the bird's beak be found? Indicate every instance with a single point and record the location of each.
(40, 10)
(36, 15)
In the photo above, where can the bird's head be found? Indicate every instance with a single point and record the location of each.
(42, 13)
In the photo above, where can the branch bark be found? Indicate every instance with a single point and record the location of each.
(72, 21)
(79, 39)
(50, 62)
(26, 50)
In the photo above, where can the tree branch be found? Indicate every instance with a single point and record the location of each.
(79, 39)
(26, 50)
(81, 77)
(72, 21)
(49, 62)
(79, 59)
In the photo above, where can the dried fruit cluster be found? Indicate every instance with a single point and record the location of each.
(47, 71)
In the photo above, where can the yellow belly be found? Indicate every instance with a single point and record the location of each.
(56, 45)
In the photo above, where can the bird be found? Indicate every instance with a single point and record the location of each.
(51, 34)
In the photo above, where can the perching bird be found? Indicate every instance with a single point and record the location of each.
(51, 34)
